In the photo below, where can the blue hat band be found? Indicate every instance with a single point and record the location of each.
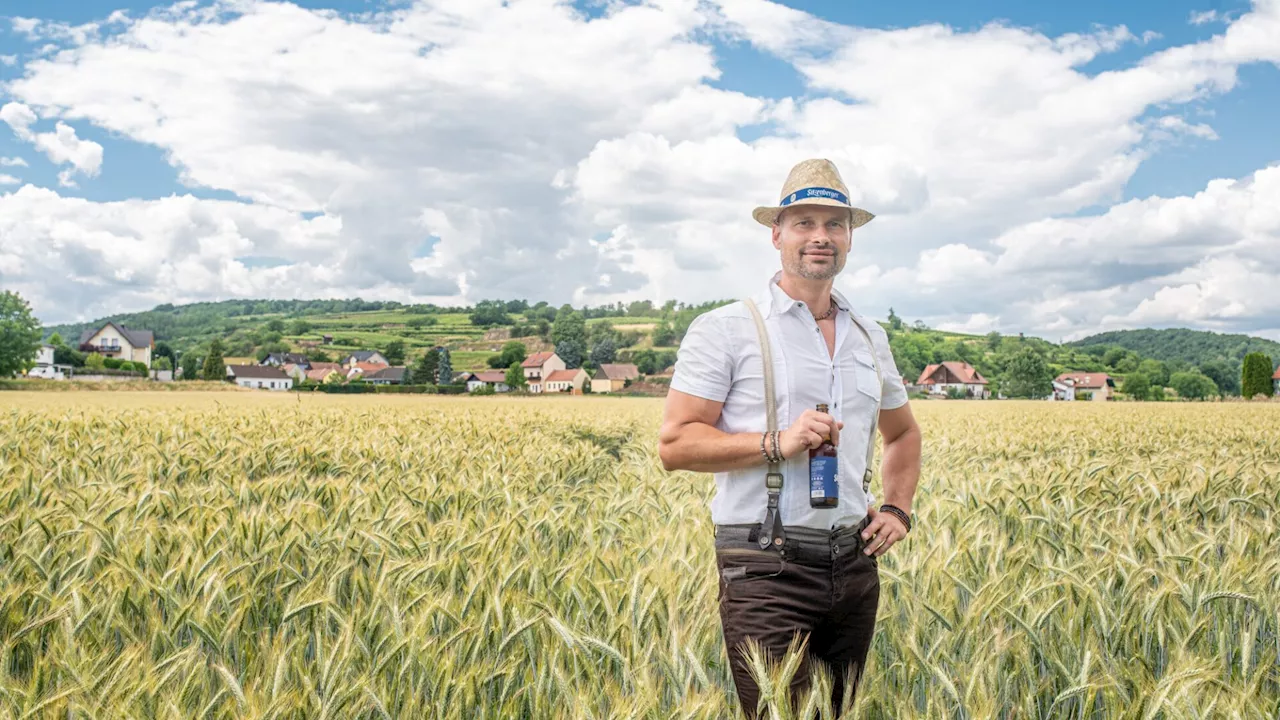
(815, 192)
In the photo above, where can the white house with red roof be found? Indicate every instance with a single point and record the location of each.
(538, 366)
(937, 379)
(566, 381)
(1083, 386)
(497, 379)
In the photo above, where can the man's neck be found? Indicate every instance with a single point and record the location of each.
(815, 294)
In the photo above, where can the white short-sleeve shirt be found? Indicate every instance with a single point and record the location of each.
(719, 359)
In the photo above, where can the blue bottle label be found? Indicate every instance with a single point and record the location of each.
(822, 477)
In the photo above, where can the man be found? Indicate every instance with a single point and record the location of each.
(817, 579)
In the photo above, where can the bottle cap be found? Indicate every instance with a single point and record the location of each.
(822, 407)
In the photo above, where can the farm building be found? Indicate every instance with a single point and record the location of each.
(393, 375)
(497, 379)
(264, 377)
(1083, 386)
(940, 378)
(612, 377)
(538, 366)
(565, 381)
(372, 357)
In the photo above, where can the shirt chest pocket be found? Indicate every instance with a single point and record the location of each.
(864, 374)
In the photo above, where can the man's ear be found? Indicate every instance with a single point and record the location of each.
(777, 234)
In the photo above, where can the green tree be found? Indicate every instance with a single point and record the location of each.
(428, 364)
(1027, 375)
(19, 335)
(319, 355)
(1137, 386)
(993, 340)
(664, 335)
(163, 364)
(1255, 375)
(512, 352)
(394, 352)
(515, 377)
(275, 325)
(164, 350)
(56, 341)
(190, 366)
(407, 379)
(94, 361)
(1156, 371)
(604, 352)
(1192, 385)
(895, 322)
(444, 369)
(1223, 374)
(214, 369)
(1113, 356)
(299, 327)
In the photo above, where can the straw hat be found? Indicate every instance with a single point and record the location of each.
(813, 182)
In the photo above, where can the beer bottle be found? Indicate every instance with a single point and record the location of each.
(823, 490)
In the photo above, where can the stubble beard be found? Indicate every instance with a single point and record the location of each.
(797, 265)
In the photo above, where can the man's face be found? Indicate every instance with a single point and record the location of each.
(814, 240)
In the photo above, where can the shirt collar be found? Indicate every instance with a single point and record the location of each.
(780, 302)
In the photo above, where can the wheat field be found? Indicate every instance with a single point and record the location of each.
(245, 555)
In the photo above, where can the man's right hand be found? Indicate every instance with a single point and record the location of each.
(807, 432)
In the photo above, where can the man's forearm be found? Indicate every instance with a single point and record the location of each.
(702, 448)
(900, 469)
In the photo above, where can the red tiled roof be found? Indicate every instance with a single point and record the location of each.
(536, 360)
(561, 376)
(369, 368)
(1277, 375)
(966, 373)
(326, 366)
(1086, 380)
(491, 376)
(319, 374)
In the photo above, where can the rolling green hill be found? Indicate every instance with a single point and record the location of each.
(248, 328)
(1194, 347)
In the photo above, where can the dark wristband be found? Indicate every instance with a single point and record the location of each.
(898, 513)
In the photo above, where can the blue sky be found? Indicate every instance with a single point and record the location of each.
(1240, 118)
(315, 179)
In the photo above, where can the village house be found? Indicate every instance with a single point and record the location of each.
(116, 341)
(393, 375)
(938, 379)
(1275, 382)
(364, 369)
(570, 381)
(372, 357)
(497, 379)
(1083, 386)
(281, 359)
(612, 377)
(45, 366)
(538, 366)
(264, 377)
(322, 374)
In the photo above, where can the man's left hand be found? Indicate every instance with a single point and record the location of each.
(884, 530)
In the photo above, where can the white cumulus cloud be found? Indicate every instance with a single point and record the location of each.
(550, 155)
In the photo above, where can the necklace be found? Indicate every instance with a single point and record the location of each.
(830, 311)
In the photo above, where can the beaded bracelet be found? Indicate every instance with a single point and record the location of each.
(762, 450)
(777, 447)
(898, 513)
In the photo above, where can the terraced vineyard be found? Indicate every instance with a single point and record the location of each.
(247, 555)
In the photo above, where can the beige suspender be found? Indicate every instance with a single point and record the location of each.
(771, 530)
